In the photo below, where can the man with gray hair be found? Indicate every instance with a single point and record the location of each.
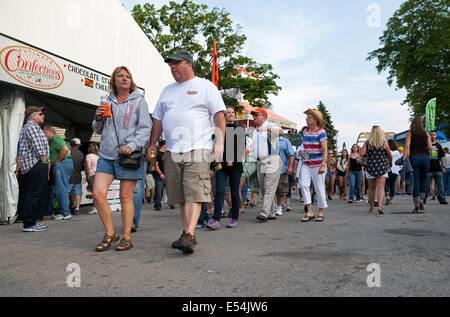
(62, 164)
(33, 157)
(265, 145)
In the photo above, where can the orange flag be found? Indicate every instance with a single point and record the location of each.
(215, 68)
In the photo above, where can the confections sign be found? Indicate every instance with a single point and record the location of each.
(31, 67)
(34, 68)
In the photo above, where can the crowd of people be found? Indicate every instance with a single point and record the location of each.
(206, 159)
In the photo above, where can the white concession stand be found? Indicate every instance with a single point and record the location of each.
(59, 55)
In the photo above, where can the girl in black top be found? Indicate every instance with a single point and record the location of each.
(232, 169)
(354, 169)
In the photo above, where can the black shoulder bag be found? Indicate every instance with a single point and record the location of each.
(133, 160)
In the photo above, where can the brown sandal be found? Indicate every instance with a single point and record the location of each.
(107, 242)
(124, 245)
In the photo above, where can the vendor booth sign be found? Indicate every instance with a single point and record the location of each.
(31, 67)
(37, 69)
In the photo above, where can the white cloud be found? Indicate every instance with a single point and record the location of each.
(358, 117)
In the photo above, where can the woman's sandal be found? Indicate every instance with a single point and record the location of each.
(124, 245)
(308, 218)
(107, 242)
(320, 218)
(381, 211)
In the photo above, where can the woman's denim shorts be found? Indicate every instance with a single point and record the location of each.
(112, 167)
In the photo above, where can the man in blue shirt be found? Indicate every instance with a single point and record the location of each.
(287, 157)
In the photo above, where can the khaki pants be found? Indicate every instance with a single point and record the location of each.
(269, 172)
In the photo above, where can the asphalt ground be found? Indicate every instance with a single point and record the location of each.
(398, 254)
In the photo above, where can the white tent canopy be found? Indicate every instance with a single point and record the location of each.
(82, 41)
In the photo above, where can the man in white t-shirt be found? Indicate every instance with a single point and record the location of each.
(186, 112)
(265, 148)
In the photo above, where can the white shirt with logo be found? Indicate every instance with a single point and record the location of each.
(260, 144)
(187, 113)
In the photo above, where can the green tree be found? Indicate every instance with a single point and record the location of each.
(328, 126)
(195, 27)
(416, 52)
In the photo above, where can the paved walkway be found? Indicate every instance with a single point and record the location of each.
(283, 257)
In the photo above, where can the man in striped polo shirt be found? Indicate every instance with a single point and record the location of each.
(314, 166)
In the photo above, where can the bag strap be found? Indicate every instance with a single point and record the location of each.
(114, 122)
(138, 102)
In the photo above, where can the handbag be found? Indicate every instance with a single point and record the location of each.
(133, 160)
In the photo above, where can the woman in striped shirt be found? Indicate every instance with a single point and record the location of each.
(314, 164)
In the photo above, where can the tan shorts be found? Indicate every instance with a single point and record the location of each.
(187, 177)
(283, 185)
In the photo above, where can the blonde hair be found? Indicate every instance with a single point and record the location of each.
(376, 138)
(112, 80)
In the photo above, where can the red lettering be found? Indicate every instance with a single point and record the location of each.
(7, 58)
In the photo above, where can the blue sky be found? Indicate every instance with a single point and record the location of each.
(318, 48)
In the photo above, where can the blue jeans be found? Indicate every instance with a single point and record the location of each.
(203, 218)
(439, 182)
(354, 180)
(50, 208)
(159, 186)
(447, 181)
(62, 173)
(221, 182)
(420, 165)
(389, 187)
(138, 196)
(244, 192)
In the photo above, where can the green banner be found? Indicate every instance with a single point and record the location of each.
(431, 115)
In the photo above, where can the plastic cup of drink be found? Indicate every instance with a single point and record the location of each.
(107, 112)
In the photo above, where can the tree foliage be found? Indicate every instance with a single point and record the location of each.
(195, 27)
(328, 126)
(416, 53)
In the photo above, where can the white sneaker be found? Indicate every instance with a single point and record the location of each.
(58, 217)
(67, 217)
(93, 211)
(279, 211)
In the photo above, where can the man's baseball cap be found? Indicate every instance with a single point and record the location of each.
(75, 141)
(259, 111)
(180, 55)
(30, 110)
